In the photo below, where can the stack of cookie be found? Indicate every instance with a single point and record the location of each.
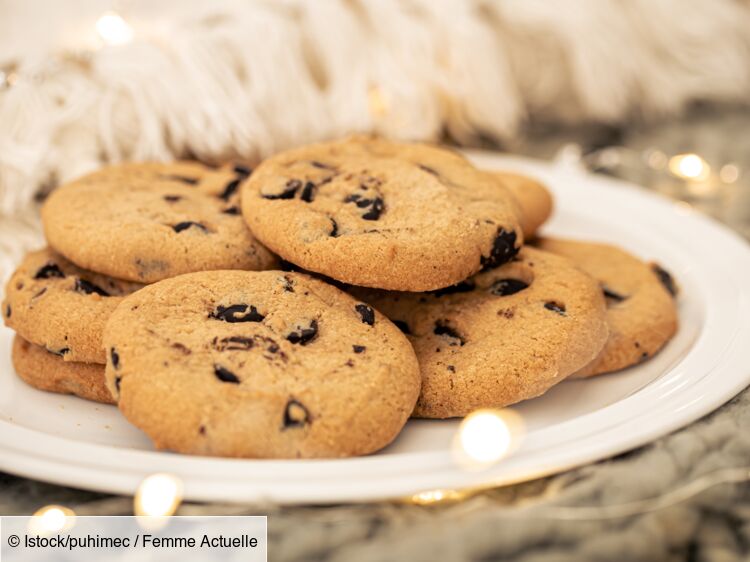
(308, 308)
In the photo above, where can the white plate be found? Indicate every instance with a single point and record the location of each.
(69, 441)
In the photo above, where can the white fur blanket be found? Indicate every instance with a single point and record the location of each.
(234, 78)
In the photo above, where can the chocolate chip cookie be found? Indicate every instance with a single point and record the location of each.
(145, 222)
(500, 337)
(641, 308)
(61, 307)
(534, 201)
(377, 213)
(46, 371)
(259, 364)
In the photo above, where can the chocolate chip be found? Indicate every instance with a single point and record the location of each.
(304, 335)
(241, 170)
(403, 326)
(451, 368)
(48, 271)
(180, 226)
(367, 313)
(442, 329)
(183, 179)
(308, 192)
(289, 191)
(666, 279)
(375, 205)
(427, 169)
(612, 295)
(295, 415)
(288, 284)
(225, 375)
(233, 343)
(644, 355)
(555, 307)
(114, 357)
(505, 287)
(334, 229)
(359, 348)
(182, 348)
(376, 209)
(234, 313)
(202, 429)
(233, 210)
(230, 189)
(88, 288)
(461, 287)
(7, 311)
(172, 198)
(503, 250)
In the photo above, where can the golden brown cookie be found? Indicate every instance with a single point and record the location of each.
(500, 337)
(641, 308)
(259, 364)
(383, 214)
(63, 308)
(46, 371)
(146, 221)
(534, 201)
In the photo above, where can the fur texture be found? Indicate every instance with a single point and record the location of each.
(244, 79)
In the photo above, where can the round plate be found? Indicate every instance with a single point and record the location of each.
(69, 441)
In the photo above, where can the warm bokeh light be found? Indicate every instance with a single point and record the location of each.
(377, 101)
(52, 519)
(158, 495)
(434, 496)
(689, 166)
(486, 436)
(729, 173)
(113, 29)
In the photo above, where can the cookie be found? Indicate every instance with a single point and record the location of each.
(534, 200)
(46, 371)
(382, 214)
(259, 364)
(61, 307)
(641, 308)
(145, 222)
(500, 337)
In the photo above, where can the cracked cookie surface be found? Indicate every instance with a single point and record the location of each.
(500, 337)
(259, 364)
(45, 371)
(382, 214)
(61, 307)
(147, 221)
(641, 306)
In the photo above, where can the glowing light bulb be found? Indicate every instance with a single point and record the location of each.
(486, 436)
(113, 29)
(434, 496)
(729, 173)
(689, 166)
(377, 101)
(159, 495)
(52, 519)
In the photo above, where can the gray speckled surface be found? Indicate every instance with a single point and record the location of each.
(524, 522)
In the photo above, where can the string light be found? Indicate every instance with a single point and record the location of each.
(377, 101)
(435, 496)
(159, 495)
(689, 167)
(52, 519)
(113, 29)
(729, 173)
(486, 436)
